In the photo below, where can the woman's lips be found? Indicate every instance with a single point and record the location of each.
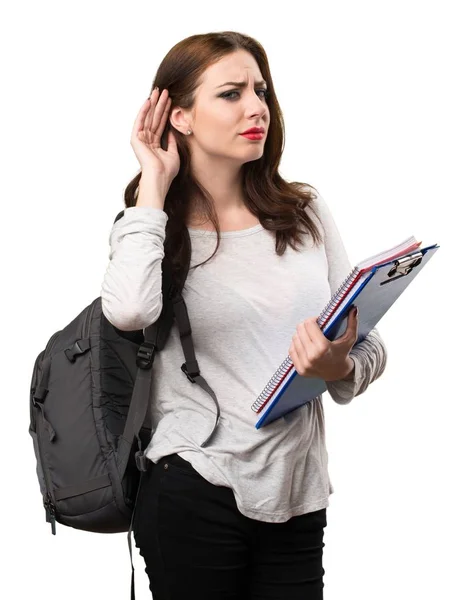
(253, 136)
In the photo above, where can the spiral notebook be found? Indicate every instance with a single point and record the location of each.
(373, 286)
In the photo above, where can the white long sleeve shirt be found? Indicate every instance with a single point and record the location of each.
(244, 306)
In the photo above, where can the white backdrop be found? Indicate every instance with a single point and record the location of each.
(366, 92)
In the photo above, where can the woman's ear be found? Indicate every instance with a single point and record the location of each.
(178, 119)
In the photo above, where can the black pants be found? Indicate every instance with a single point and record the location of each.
(196, 543)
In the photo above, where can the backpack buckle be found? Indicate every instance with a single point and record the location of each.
(145, 355)
(189, 375)
(141, 461)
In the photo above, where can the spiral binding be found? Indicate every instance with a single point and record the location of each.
(337, 298)
(286, 365)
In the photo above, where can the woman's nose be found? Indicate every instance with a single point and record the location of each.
(256, 106)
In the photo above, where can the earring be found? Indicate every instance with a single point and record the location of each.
(189, 132)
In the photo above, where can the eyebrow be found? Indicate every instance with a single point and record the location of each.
(241, 84)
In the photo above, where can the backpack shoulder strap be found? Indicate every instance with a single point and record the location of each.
(190, 367)
(118, 216)
(155, 337)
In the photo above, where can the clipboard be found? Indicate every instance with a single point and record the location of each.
(374, 293)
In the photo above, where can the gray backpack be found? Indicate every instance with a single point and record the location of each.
(89, 418)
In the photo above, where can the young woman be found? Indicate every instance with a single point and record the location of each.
(242, 517)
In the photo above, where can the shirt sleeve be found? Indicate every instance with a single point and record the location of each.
(369, 355)
(131, 292)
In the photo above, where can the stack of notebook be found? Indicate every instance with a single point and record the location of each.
(373, 286)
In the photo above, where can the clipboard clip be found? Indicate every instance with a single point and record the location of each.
(403, 266)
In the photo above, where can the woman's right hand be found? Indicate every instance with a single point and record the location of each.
(146, 135)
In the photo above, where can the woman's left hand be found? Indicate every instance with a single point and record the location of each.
(314, 355)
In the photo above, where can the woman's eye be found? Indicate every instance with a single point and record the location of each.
(265, 94)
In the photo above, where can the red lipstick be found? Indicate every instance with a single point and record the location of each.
(254, 133)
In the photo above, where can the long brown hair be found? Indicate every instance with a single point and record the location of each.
(278, 204)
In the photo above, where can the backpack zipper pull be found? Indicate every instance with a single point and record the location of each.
(50, 512)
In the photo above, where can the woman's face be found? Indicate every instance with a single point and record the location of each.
(222, 111)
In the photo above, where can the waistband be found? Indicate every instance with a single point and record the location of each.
(175, 459)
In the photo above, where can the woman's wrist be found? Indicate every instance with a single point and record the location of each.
(351, 370)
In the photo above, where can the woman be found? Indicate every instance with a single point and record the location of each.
(242, 517)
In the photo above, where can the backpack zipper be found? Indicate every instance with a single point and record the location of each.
(47, 500)
(34, 383)
(50, 512)
(51, 343)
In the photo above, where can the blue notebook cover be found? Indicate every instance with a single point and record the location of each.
(380, 288)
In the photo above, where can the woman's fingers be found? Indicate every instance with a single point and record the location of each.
(139, 121)
(152, 117)
(158, 113)
(149, 115)
(164, 119)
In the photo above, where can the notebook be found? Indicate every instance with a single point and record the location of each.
(373, 286)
